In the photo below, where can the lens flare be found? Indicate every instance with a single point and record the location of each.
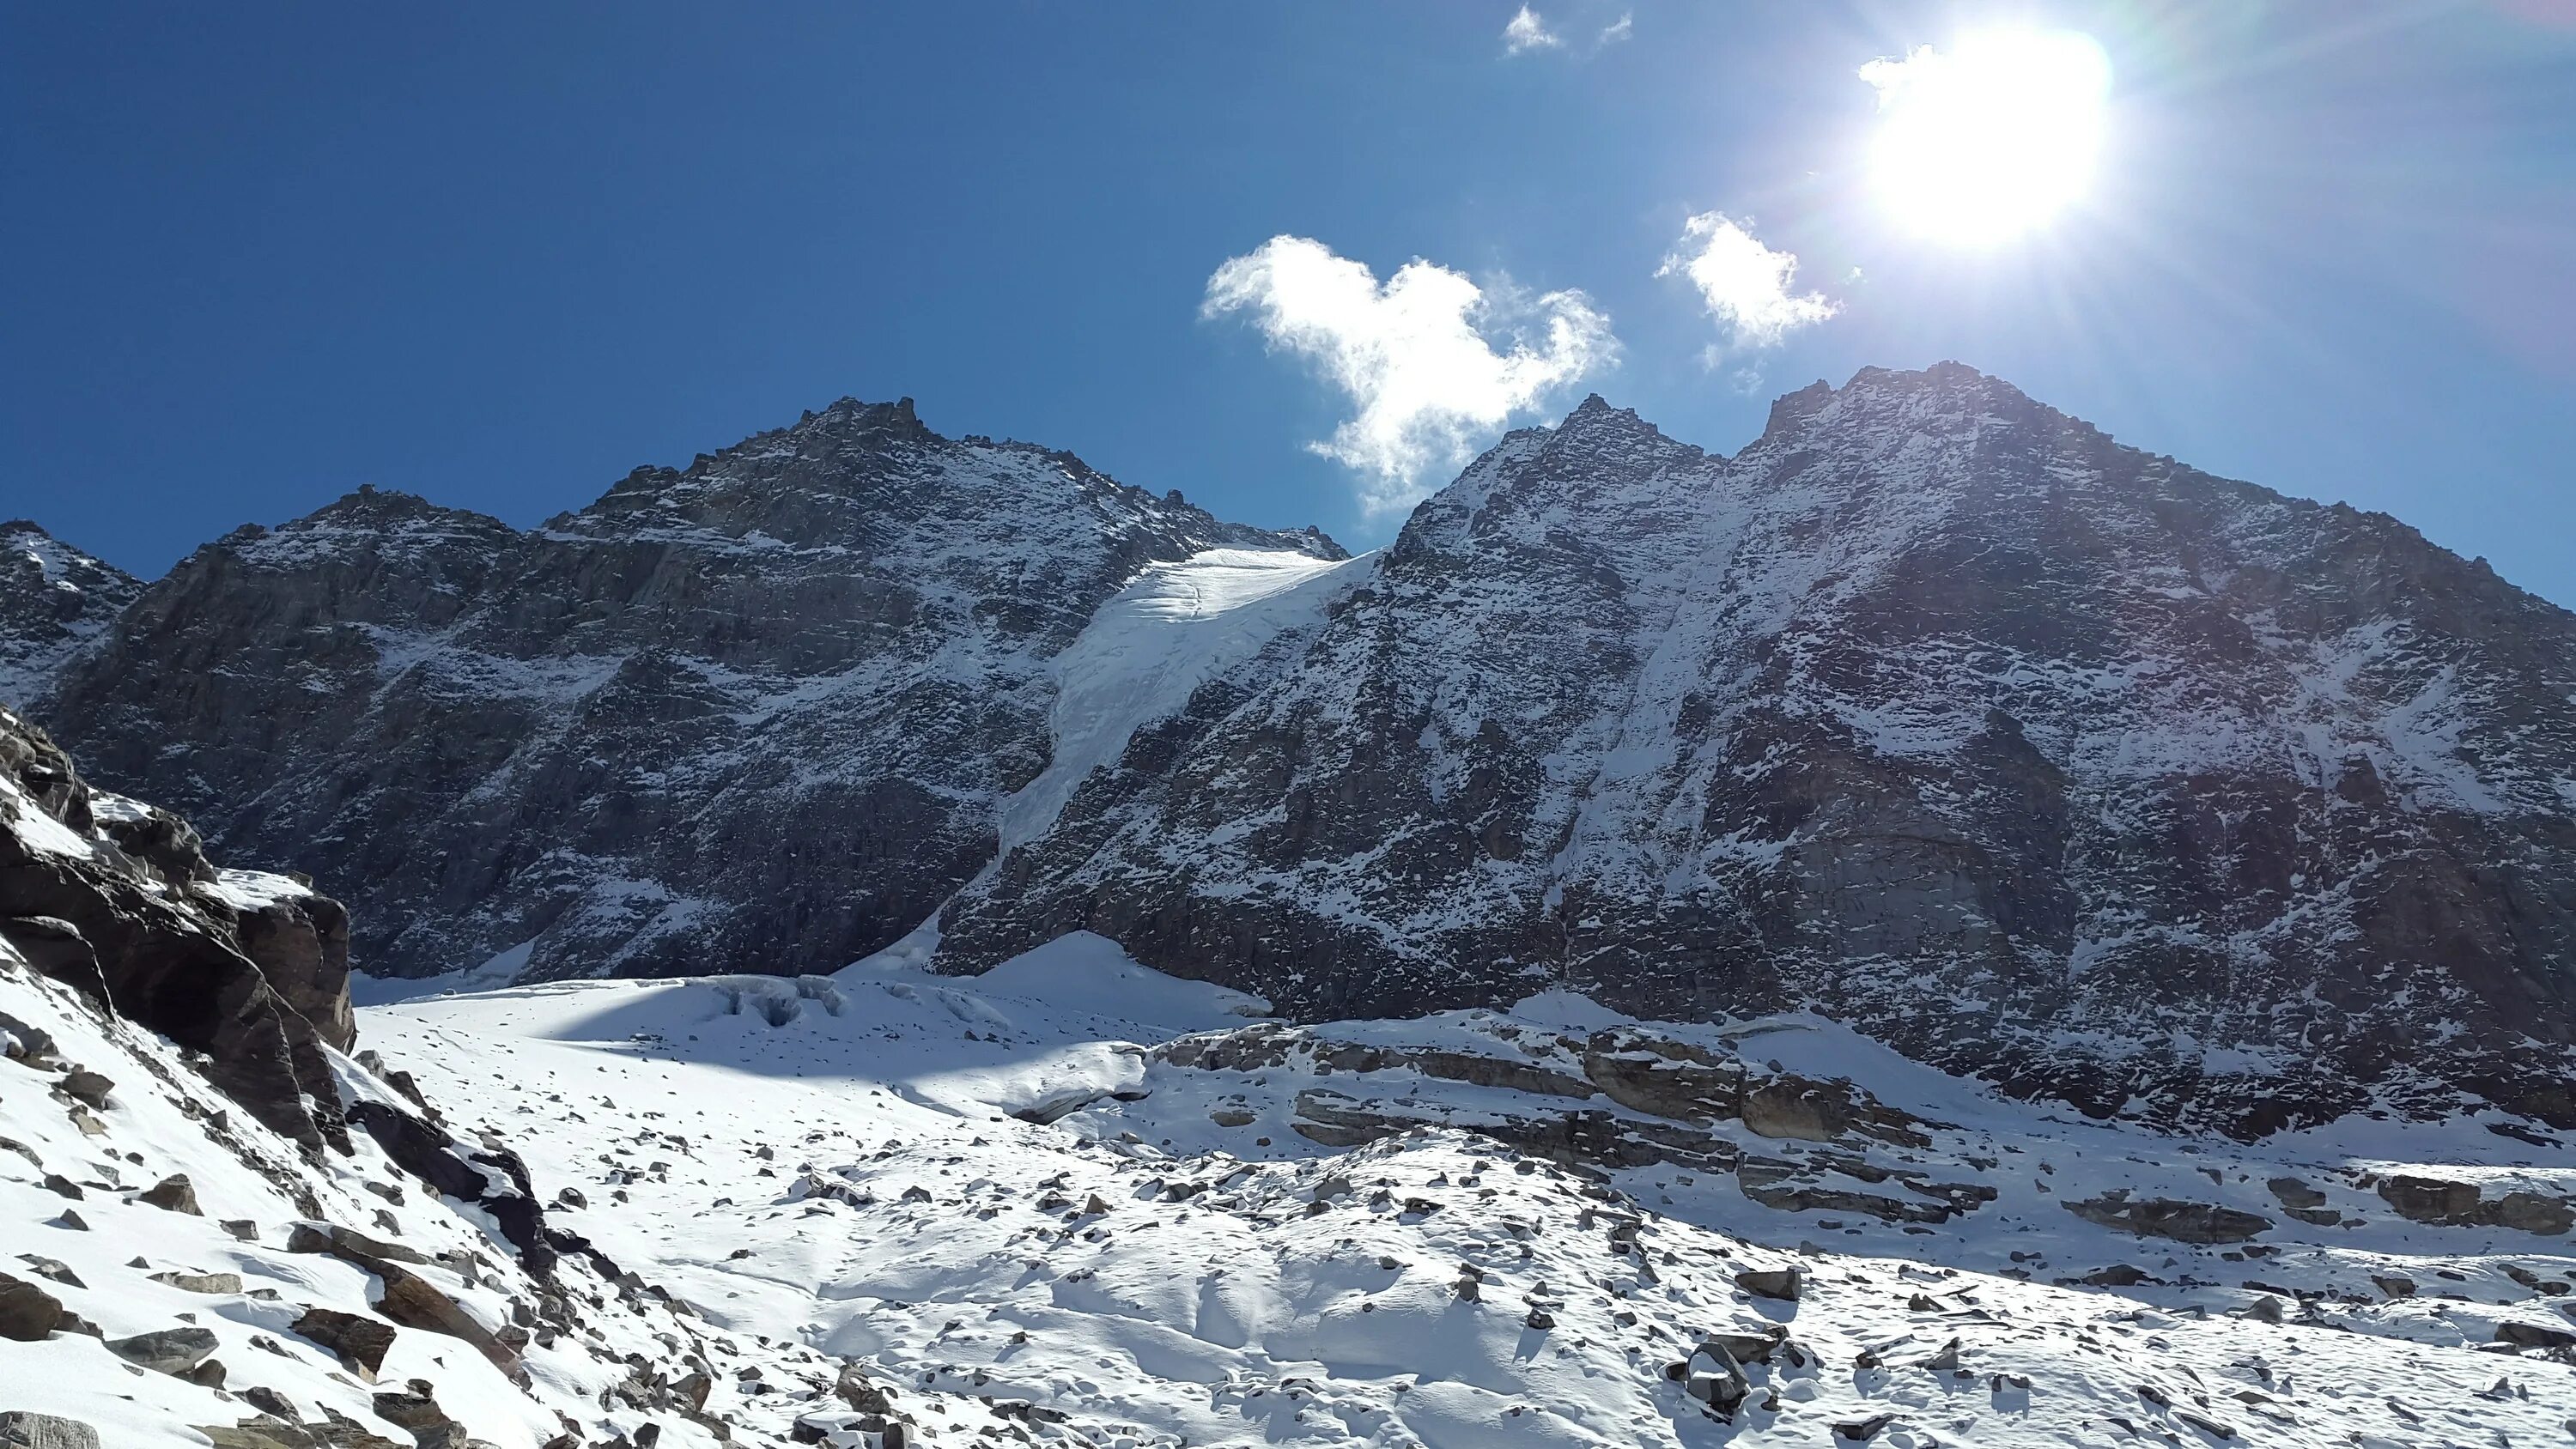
(1993, 137)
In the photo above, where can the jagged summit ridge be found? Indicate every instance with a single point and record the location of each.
(756, 713)
(54, 602)
(1933, 707)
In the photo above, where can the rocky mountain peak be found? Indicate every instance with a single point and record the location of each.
(1935, 707)
(54, 601)
(759, 713)
(895, 419)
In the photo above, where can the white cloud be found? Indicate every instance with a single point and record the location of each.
(1617, 30)
(1527, 32)
(1417, 355)
(1745, 284)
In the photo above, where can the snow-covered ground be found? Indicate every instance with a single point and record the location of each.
(1006, 1189)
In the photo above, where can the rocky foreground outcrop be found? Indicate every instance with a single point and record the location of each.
(181, 1192)
(115, 898)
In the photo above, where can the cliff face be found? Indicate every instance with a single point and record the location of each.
(2038, 756)
(114, 898)
(754, 715)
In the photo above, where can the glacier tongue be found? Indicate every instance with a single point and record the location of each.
(1156, 641)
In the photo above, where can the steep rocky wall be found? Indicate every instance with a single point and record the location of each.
(2037, 755)
(114, 898)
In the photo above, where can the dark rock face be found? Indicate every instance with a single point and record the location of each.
(55, 601)
(112, 897)
(2040, 757)
(757, 715)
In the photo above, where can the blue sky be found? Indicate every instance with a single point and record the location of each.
(499, 255)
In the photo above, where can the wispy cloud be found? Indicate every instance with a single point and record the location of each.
(1527, 32)
(1432, 362)
(1617, 30)
(1745, 284)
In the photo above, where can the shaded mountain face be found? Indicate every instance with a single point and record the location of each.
(55, 601)
(757, 715)
(2037, 756)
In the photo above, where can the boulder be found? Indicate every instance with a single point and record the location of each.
(2529, 1212)
(1715, 1379)
(28, 1314)
(22, 1430)
(2429, 1199)
(2534, 1335)
(360, 1341)
(201, 1282)
(1781, 1283)
(171, 1351)
(2184, 1222)
(2295, 1194)
(172, 1194)
(87, 1087)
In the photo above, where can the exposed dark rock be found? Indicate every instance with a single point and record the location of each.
(55, 601)
(145, 935)
(22, 1430)
(172, 1194)
(171, 1351)
(1932, 708)
(28, 1314)
(434, 1155)
(2184, 1222)
(359, 1340)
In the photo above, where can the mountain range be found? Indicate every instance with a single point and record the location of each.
(1933, 710)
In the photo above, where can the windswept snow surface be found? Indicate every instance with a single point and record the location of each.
(1151, 1254)
(1172, 630)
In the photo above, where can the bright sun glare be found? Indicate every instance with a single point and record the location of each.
(1991, 138)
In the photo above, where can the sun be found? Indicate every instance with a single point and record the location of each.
(1992, 138)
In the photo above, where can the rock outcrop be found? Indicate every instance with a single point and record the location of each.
(114, 898)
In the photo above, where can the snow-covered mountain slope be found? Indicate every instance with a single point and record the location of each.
(174, 1276)
(760, 713)
(1934, 710)
(221, 1228)
(55, 601)
(1120, 1211)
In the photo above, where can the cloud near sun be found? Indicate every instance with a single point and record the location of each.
(1431, 361)
(1745, 285)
